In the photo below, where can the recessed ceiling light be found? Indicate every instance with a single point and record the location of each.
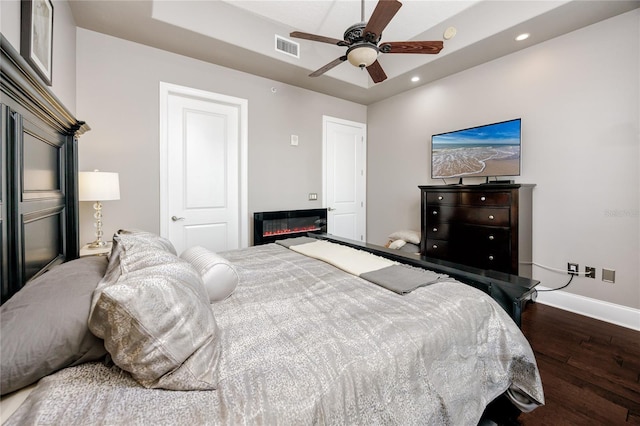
(414, 79)
(523, 36)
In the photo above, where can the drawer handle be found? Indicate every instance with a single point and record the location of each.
(483, 198)
(435, 213)
(490, 257)
(490, 237)
(491, 217)
(435, 246)
(440, 197)
(435, 229)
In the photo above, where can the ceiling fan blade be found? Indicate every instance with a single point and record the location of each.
(376, 72)
(383, 14)
(314, 37)
(432, 47)
(327, 67)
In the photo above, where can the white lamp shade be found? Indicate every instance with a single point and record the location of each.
(98, 186)
(362, 56)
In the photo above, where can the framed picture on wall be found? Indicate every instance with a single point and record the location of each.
(36, 36)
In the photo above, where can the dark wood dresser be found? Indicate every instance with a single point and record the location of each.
(485, 226)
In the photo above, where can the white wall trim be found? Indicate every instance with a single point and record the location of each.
(598, 309)
(243, 106)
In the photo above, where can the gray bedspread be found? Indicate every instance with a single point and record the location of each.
(305, 343)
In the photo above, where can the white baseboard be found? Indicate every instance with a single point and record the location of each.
(598, 309)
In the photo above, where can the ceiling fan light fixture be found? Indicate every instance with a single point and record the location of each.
(362, 55)
(362, 41)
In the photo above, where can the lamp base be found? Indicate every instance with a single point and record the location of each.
(98, 244)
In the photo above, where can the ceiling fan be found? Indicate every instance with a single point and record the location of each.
(362, 40)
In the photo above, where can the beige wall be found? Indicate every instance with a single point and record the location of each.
(578, 98)
(64, 46)
(118, 91)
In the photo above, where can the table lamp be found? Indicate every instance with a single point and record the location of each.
(98, 186)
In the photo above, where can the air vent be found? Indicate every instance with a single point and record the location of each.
(287, 47)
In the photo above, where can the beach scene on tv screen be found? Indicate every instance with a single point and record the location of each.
(491, 150)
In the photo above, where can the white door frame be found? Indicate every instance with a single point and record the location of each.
(363, 187)
(167, 89)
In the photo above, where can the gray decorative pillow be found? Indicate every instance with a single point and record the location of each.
(44, 325)
(154, 315)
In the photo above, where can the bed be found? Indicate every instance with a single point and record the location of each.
(299, 341)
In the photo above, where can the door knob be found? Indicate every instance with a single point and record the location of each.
(176, 218)
(330, 209)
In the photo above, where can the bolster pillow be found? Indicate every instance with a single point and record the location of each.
(219, 276)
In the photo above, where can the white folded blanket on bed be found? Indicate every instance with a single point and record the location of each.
(350, 260)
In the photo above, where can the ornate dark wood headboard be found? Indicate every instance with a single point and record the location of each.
(38, 198)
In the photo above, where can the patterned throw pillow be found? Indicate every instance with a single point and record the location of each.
(153, 313)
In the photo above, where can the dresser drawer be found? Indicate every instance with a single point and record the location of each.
(483, 236)
(496, 260)
(440, 214)
(483, 216)
(438, 231)
(437, 248)
(490, 216)
(443, 197)
(485, 198)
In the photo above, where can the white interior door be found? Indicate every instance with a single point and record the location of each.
(344, 154)
(203, 176)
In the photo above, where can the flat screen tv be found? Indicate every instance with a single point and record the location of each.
(491, 150)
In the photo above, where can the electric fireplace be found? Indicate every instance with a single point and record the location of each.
(271, 226)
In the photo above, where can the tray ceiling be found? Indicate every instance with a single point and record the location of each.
(241, 34)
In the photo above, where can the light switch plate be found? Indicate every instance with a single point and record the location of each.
(294, 140)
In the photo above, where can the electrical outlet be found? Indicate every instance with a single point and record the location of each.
(572, 268)
(589, 272)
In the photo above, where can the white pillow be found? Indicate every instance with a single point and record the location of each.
(407, 235)
(397, 244)
(219, 276)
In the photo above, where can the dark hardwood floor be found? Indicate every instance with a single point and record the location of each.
(590, 369)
